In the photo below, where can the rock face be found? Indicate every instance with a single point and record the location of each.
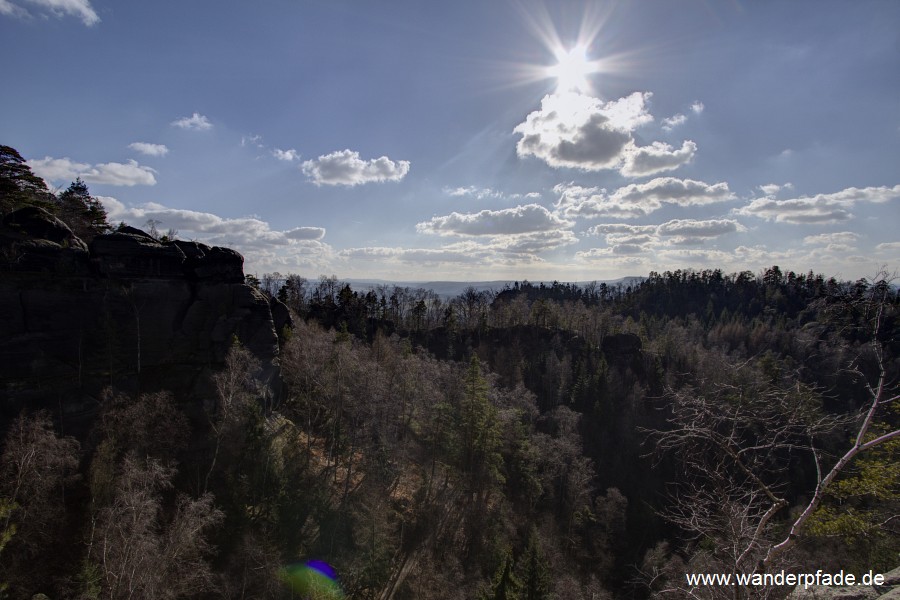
(129, 311)
(889, 589)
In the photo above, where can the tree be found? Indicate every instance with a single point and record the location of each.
(7, 507)
(237, 391)
(83, 213)
(534, 576)
(740, 430)
(293, 292)
(270, 283)
(506, 585)
(140, 553)
(874, 306)
(18, 185)
(251, 280)
(479, 431)
(35, 468)
(862, 510)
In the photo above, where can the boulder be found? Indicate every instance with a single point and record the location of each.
(221, 265)
(823, 592)
(35, 223)
(214, 264)
(33, 240)
(888, 590)
(892, 578)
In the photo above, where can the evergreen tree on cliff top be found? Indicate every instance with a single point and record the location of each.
(83, 213)
(18, 185)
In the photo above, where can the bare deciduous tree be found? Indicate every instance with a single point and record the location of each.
(138, 554)
(35, 467)
(736, 435)
(237, 389)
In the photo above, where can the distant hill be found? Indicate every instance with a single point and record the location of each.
(450, 289)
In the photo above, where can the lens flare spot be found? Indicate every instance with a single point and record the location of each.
(312, 580)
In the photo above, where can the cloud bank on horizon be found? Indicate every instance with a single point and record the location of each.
(500, 150)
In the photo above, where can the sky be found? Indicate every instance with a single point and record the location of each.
(473, 140)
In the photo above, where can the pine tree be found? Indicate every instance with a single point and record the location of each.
(506, 585)
(479, 429)
(18, 185)
(534, 574)
(83, 213)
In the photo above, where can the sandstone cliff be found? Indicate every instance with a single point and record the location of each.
(126, 311)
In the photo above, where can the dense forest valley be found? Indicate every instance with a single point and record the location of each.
(539, 441)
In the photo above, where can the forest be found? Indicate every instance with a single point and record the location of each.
(545, 440)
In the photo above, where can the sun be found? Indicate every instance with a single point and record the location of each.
(572, 69)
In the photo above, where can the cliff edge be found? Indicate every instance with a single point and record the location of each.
(126, 310)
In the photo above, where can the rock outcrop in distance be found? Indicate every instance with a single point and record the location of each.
(126, 311)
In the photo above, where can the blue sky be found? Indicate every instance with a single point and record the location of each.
(475, 140)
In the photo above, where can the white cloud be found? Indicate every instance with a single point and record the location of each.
(620, 228)
(12, 10)
(286, 155)
(345, 167)
(533, 242)
(195, 122)
(612, 251)
(521, 219)
(613, 239)
(683, 192)
(656, 158)
(572, 130)
(804, 210)
(498, 251)
(149, 149)
(577, 131)
(305, 233)
(697, 107)
(637, 199)
(57, 169)
(628, 249)
(482, 193)
(888, 246)
(770, 189)
(576, 201)
(674, 121)
(58, 8)
(515, 233)
(472, 255)
(424, 256)
(251, 140)
(473, 192)
(840, 237)
(741, 258)
(639, 239)
(611, 258)
(128, 174)
(251, 236)
(821, 208)
(699, 229)
(112, 173)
